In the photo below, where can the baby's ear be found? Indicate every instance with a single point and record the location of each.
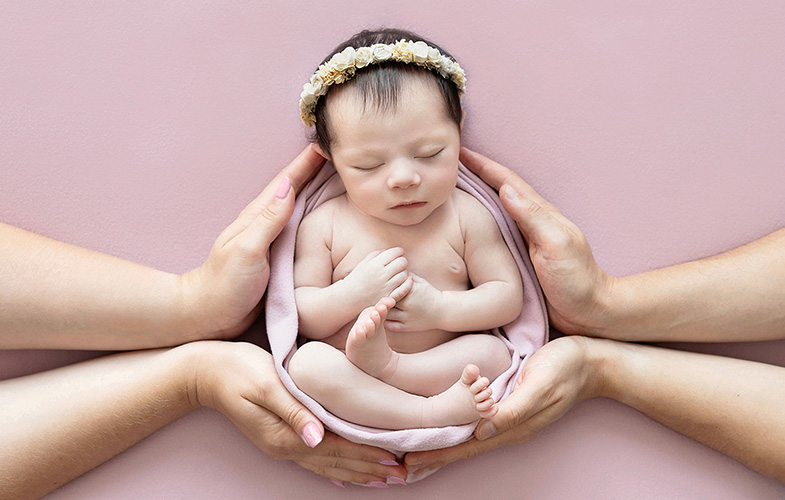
(318, 149)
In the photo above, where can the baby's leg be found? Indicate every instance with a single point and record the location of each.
(425, 373)
(325, 374)
(366, 345)
(431, 372)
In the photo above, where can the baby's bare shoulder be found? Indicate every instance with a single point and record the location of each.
(322, 215)
(472, 213)
(317, 225)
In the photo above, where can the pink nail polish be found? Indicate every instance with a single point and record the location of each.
(397, 480)
(283, 188)
(377, 484)
(338, 483)
(311, 435)
(389, 462)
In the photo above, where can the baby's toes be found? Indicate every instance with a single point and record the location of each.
(480, 384)
(483, 395)
(490, 412)
(470, 376)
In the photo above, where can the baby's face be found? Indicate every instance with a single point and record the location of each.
(398, 166)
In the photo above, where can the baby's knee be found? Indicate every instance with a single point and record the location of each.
(307, 363)
(311, 365)
(496, 355)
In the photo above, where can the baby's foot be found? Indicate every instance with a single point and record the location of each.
(366, 345)
(467, 400)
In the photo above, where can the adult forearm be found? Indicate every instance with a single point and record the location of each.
(731, 405)
(57, 425)
(735, 296)
(56, 295)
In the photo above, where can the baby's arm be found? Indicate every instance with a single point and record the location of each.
(497, 294)
(324, 307)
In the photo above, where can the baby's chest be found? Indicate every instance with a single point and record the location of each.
(435, 256)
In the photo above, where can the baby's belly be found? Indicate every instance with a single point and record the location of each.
(405, 343)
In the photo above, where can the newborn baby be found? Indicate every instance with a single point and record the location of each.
(390, 276)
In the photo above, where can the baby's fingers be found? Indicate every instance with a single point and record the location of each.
(385, 257)
(404, 288)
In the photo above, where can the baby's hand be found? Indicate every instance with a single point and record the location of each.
(380, 274)
(419, 310)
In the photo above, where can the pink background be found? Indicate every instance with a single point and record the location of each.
(142, 128)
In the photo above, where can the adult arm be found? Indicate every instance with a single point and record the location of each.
(57, 425)
(736, 296)
(56, 295)
(731, 405)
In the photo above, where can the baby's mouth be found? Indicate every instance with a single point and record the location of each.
(410, 204)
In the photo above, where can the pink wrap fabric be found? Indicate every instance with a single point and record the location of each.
(523, 336)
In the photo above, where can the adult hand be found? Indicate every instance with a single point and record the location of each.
(574, 285)
(556, 377)
(240, 381)
(225, 292)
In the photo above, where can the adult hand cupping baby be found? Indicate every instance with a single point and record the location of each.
(575, 286)
(240, 381)
(558, 376)
(224, 293)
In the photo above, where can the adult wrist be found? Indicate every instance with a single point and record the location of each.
(607, 360)
(609, 300)
(197, 362)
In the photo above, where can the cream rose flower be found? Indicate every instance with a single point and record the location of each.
(420, 51)
(434, 57)
(381, 52)
(308, 96)
(339, 62)
(317, 84)
(349, 53)
(363, 57)
(445, 66)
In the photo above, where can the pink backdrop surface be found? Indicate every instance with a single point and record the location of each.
(141, 129)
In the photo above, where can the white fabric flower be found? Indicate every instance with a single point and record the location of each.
(434, 56)
(420, 50)
(363, 57)
(381, 52)
(343, 65)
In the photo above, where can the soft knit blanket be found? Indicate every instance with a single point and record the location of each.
(523, 336)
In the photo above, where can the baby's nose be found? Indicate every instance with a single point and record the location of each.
(403, 175)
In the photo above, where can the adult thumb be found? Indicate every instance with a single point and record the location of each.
(279, 401)
(513, 411)
(273, 218)
(536, 222)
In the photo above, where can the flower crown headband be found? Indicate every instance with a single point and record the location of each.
(343, 65)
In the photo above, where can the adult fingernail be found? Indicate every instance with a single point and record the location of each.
(486, 430)
(311, 434)
(397, 480)
(338, 483)
(389, 462)
(422, 470)
(377, 484)
(283, 188)
(509, 192)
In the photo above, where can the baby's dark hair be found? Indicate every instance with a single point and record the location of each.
(380, 84)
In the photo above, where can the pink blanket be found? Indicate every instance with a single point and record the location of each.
(523, 336)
